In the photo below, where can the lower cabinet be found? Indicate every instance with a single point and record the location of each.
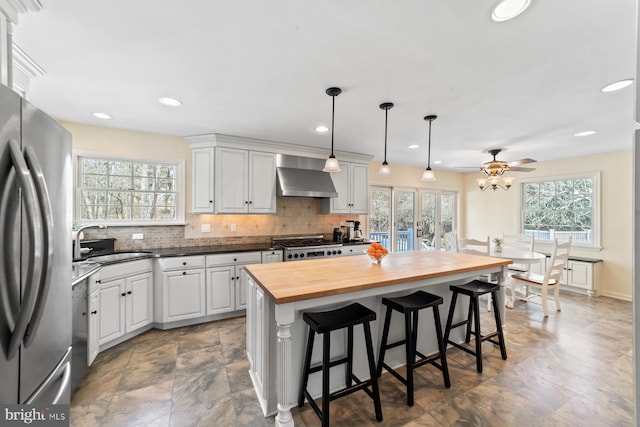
(227, 281)
(183, 288)
(125, 299)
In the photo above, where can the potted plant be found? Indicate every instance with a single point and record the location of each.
(498, 242)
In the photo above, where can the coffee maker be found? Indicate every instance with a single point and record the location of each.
(349, 233)
(357, 233)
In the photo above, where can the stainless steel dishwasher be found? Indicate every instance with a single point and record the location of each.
(80, 331)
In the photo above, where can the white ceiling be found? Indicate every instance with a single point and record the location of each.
(260, 69)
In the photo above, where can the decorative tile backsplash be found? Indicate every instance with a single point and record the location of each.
(295, 216)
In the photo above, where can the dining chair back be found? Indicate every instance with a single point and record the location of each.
(549, 280)
(474, 246)
(520, 242)
(450, 241)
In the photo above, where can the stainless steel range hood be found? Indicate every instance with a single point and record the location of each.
(303, 177)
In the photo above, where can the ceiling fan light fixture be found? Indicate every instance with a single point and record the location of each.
(332, 165)
(385, 169)
(621, 84)
(509, 9)
(428, 174)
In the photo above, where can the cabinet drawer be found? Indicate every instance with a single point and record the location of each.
(234, 258)
(181, 262)
(129, 268)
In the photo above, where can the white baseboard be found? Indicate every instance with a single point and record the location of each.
(617, 295)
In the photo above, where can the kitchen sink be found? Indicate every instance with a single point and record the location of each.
(118, 256)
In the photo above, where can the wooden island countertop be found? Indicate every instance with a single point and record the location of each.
(301, 280)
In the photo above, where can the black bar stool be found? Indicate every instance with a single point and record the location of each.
(324, 323)
(410, 305)
(473, 290)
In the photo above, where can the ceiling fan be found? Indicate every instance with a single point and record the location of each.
(497, 167)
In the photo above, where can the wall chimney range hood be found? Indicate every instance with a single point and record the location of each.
(303, 177)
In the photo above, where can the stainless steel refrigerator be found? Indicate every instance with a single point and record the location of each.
(35, 256)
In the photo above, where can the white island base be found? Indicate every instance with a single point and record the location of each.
(276, 333)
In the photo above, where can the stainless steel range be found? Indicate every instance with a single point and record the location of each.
(308, 247)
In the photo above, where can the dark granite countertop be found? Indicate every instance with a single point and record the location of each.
(203, 250)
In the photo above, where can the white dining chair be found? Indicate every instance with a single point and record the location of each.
(549, 280)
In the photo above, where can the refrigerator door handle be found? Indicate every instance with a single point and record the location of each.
(34, 270)
(46, 218)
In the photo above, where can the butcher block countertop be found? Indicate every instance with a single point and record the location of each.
(287, 282)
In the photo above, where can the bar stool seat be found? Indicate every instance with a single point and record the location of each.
(323, 323)
(474, 290)
(410, 305)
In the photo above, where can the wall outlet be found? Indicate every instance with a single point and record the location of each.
(137, 236)
(205, 228)
(233, 227)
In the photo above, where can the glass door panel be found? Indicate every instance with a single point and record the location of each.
(405, 210)
(447, 215)
(380, 216)
(429, 222)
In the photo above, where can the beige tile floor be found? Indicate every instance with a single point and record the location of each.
(571, 369)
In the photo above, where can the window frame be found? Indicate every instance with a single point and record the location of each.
(180, 188)
(596, 207)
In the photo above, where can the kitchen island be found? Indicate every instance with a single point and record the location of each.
(279, 293)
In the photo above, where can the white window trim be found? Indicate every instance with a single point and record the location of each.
(180, 193)
(596, 222)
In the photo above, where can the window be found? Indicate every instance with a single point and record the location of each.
(562, 207)
(126, 191)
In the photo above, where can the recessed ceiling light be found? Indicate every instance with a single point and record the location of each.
(437, 162)
(509, 9)
(322, 129)
(102, 116)
(170, 102)
(617, 85)
(413, 146)
(585, 133)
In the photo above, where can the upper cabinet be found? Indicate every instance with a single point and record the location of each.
(235, 175)
(352, 187)
(245, 181)
(202, 180)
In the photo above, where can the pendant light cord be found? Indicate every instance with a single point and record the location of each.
(386, 115)
(333, 113)
(429, 151)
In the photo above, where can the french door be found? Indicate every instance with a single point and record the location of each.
(407, 219)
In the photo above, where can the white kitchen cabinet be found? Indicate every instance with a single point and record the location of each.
(257, 335)
(93, 335)
(125, 299)
(582, 275)
(245, 181)
(357, 249)
(227, 281)
(352, 187)
(183, 294)
(202, 165)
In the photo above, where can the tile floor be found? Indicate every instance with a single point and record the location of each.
(574, 368)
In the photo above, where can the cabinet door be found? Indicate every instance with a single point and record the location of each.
(262, 182)
(241, 287)
(139, 301)
(184, 294)
(359, 190)
(93, 346)
(579, 274)
(271, 256)
(202, 168)
(220, 289)
(111, 313)
(232, 177)
(341, 204)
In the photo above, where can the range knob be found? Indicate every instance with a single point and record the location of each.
(289, 256)
(301, 255)
(339, 252)
(295, 255)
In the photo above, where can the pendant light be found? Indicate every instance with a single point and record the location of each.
(428, 174)
(385, 169)
(332, 164)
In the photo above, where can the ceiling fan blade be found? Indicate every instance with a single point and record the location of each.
(520, 169)
(522, 162)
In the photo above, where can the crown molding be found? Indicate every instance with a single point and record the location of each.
(12, 8)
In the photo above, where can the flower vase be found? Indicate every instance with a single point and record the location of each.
(498, 249)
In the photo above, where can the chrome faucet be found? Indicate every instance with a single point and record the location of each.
(76, 244)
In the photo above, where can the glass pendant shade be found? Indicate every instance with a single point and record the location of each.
(428, 175)
(331, 165)
(385, 169)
